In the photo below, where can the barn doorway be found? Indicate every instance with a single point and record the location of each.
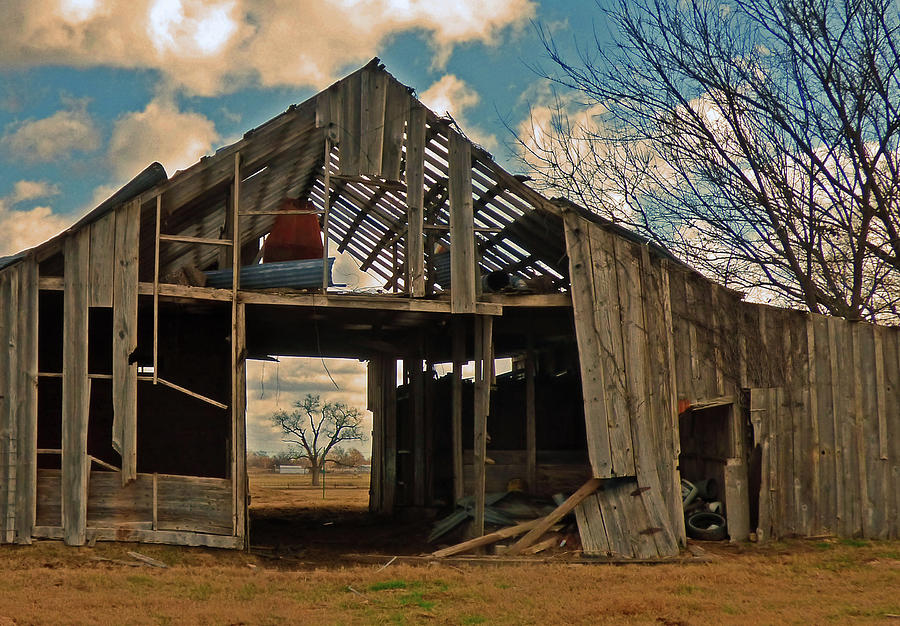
(713, 471)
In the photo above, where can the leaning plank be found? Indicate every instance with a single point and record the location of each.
(26, 458)
(589, 351)
(494, 537)
(350, 125)
(125, 313)
(462, 222)
(563, 509)
(190, 393)
(75, 388)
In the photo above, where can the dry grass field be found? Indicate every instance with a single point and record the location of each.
(290, 580)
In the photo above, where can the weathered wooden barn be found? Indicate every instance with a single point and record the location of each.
(123, 382)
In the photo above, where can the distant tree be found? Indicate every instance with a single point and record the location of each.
(260, 460)
(348, 457)
(314, 428)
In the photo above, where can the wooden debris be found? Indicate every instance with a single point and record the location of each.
(542, 545)
(146, 559)
(503, 533)
(561, 511)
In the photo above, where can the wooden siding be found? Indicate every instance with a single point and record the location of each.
(18, 400)
(618, 295)
(175, 503)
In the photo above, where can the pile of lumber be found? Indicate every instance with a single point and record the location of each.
(530, 531)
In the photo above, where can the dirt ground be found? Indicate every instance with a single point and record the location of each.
(295, 573)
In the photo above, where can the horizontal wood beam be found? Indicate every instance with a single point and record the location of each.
(200, 240)
(140, 535)
(385, 303)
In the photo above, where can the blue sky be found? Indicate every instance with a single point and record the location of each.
(92, 91)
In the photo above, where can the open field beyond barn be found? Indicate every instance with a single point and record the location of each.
(296, 574)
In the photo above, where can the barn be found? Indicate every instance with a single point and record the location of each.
(124, 342)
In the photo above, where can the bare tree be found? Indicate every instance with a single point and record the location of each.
(315, 429)
(757, 139)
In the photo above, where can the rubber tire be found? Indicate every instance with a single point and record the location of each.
(698, 526)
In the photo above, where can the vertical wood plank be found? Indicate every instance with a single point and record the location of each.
(415, 200)
(156, 234)
(373, 404)
(389, 406)
(26, 449)
(871, 505)
(7, 412)
(479, 438)
(373, 93)
(672, 397)
(458, 355)
(835, 351)
(103, 237)
(879, 460)
(12, 397)
(759, 408)
(826, 512)
(634, 291)
(812, 418)
(850, 431)
(611, 312)
(125, 313)
(462, 225)
(417, 408)
(396, 113)
(75, 388)
(350, 125)
(239, 422)
(593, 377)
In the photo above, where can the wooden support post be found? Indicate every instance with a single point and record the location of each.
(125, 319)
(155, 518)
(76, 389)
(462, 224)
(374, 403)
(326, 214)
(389, 404)
(415, 212)
(458, 354)
(239, 370)
(530, 419)
(417, 409)
(239, 426)
(156, 290)
(483, 350)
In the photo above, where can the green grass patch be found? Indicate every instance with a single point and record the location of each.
(388, 584)
(855, 543)
(473, 619)
(416, 599)
(686, 590)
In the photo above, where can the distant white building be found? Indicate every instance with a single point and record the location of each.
(292, 469)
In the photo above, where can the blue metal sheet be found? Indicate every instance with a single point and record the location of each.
(290, 274)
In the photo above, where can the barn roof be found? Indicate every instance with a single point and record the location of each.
(517, 228)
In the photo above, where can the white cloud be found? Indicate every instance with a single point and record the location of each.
(210, 46)
(161, 132)
(53, 137)
(21, 229)
(25, 190)
(453, 95)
